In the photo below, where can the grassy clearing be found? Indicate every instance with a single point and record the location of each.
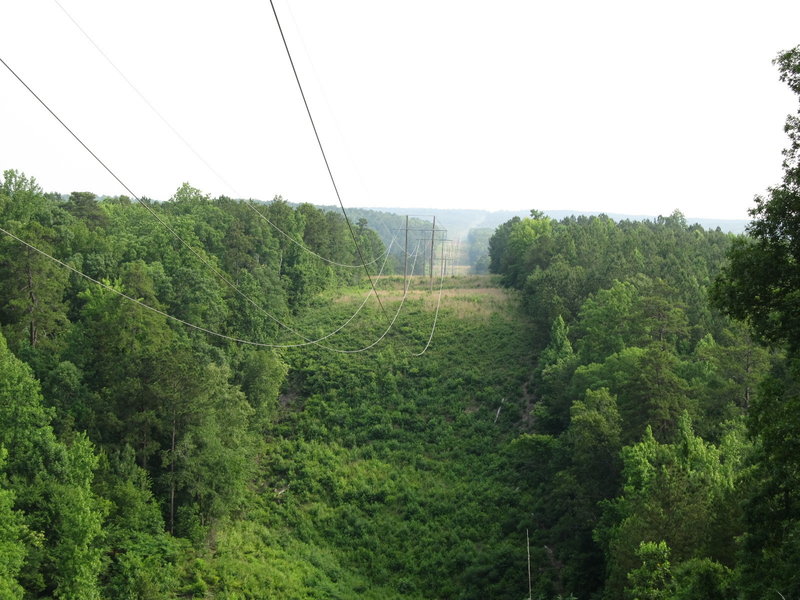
(473, 296)
(394, 463)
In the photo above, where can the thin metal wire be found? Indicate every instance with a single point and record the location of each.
(435, 317)
(205, 330)
(135, 300)
(325, 157)
(142, 96)
(197, 154)
(197, 254)
(200, 257)
(391, 324)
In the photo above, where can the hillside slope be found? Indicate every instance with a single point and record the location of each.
(394, 463)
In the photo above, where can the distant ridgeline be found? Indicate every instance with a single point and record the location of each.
(470, 230)
(467, 229)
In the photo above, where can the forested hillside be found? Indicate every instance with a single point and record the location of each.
(637, 435)
(203, 398)
(146, 458)
(662, 460)
(596, 414)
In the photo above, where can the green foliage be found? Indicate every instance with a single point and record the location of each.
(561, 264)
(52, 485)
(594, 436)
(393, 463)
(181, 420)
(231, 472)
(682, 493)
(12, 539)
(760, 285)
(559, 349)
(597, 409)
(607, 322)
(77, 515)
(651, 580)
(32, 287)
(628, 347)
(772, 509)
(703, 578)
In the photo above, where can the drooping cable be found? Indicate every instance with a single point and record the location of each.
(361, 306)
(391, 323)
(221, 275)
(142, 97)
(325, 158)
(200, 328)
(249, 204)
(435, 316)
(135, 300)
(199, 256)
(183, 140)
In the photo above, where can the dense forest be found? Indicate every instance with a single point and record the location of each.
(662, 461)
(146, 458)
(391, 229)
(203, 398)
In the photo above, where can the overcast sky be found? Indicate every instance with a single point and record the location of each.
(624, 107)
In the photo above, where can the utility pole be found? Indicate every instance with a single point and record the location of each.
(457, 259)
(528, 544)
(433, 235)
(405, 261)
(444, 261)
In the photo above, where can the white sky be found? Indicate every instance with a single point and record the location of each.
(635, 107)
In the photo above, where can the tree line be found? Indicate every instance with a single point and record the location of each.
(661, 459)
(125, 436)
(626, 411)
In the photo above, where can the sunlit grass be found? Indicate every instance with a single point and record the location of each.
(472, 296)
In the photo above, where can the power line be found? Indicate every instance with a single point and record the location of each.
(363, 264)
(135, 300)
(358, 310)
(388, 328)
(435, 316)
(143, 98)
(324, 157)
(200, 328)
(199, 256)
(177, 134)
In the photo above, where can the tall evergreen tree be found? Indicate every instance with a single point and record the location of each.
(761, 285)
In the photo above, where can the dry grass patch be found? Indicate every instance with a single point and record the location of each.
(467, 300)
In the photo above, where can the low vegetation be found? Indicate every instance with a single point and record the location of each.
(590, 421)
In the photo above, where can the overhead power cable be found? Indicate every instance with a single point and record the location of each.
(199, 256)
(250, 204)
(142, 97)
(200, 328)
(435, 316)
(324, 157)
(114, 290)
(391, 323)
(223, 276)
(208, 165)
(358, 310)
(310, 251)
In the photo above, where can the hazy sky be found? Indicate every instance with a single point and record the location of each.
(637, 107)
